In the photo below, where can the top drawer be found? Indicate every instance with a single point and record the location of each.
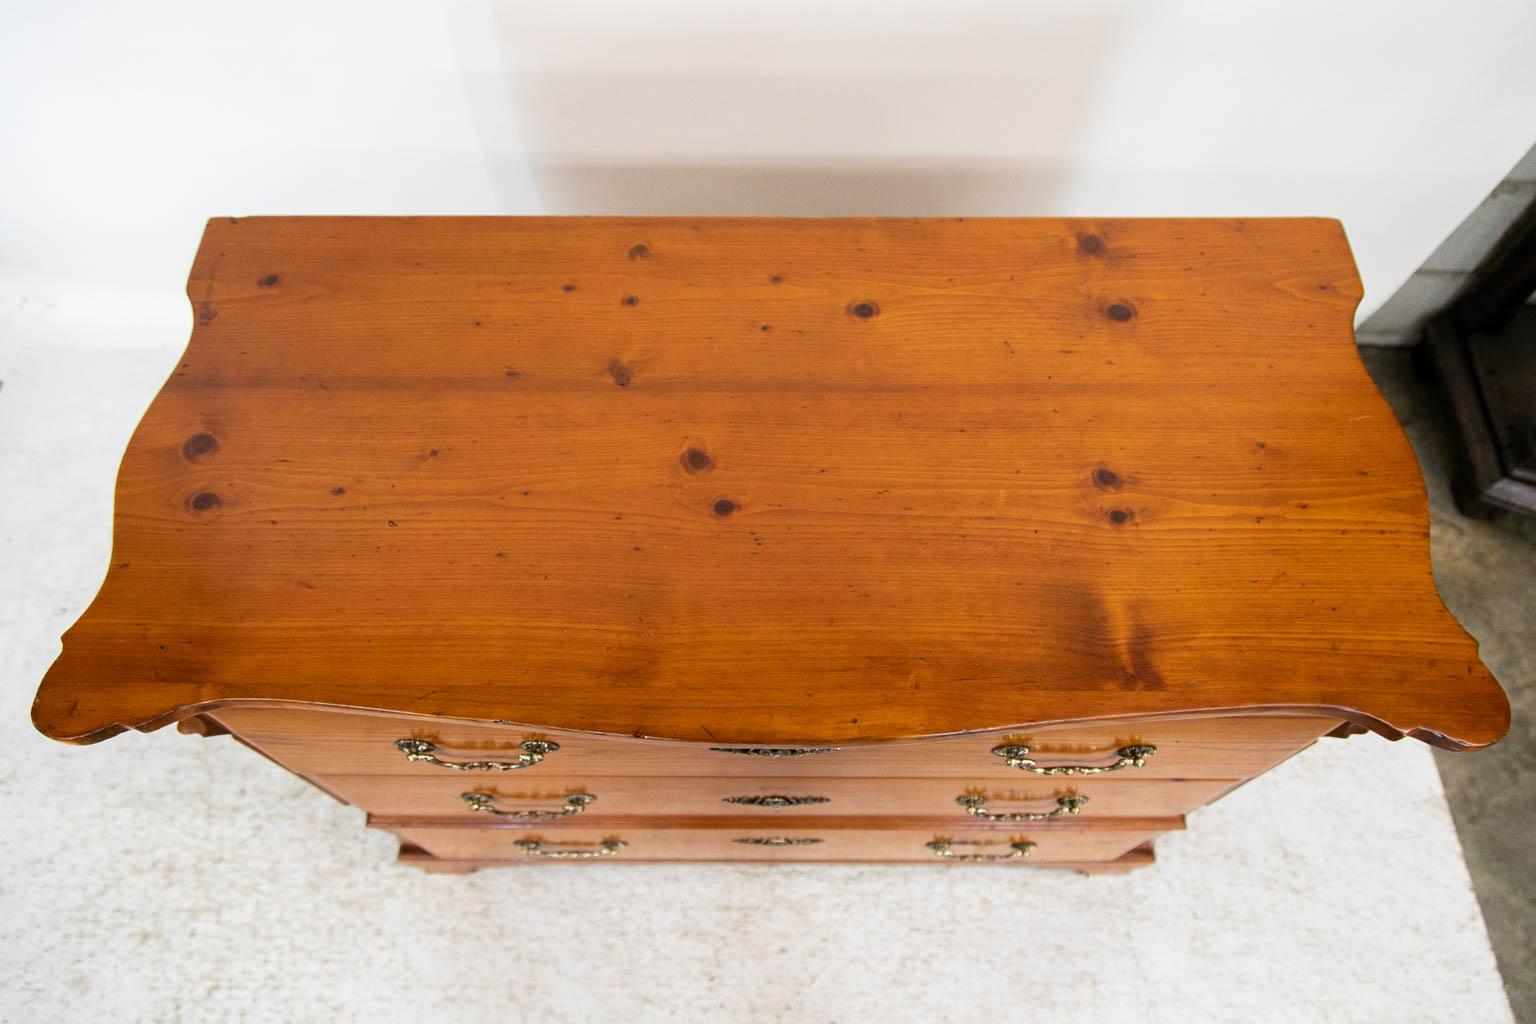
(315, 742)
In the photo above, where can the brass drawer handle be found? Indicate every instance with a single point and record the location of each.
(776, 801)
(1017, 851)
(421, 750)
(575, 803)
(773, 751)
(1016, 755)
(976, 806)
(536, 848)
(776, 841)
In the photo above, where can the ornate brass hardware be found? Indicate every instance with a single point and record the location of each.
(575, 803)
(1016, 755)
(776, 801)
(536, 848)
(426, 752)
(776, 841)
(773, 751)
(1016, 851)
(977, 807)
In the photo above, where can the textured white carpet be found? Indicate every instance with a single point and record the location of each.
(171, 878)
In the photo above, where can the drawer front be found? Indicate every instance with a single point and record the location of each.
(523, 794)
(768, 844)
(327, 743)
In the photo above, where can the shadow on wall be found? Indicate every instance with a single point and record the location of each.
(815, 188)
(730, 114)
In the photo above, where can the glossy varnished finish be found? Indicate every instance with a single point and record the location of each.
(771, 481)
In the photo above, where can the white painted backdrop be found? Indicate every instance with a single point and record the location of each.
(124, 126)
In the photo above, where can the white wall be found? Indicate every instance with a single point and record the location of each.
(125, 125)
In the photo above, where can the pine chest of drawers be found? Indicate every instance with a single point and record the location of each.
(571, 540)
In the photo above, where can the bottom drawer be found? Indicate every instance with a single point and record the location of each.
(768, 844)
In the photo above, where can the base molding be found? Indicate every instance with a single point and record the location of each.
(414, 856)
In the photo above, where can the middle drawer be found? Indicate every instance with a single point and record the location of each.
(552, 797)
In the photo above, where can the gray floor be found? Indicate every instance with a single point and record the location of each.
(1486, 572)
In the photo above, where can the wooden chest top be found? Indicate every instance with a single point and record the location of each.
(761, 481)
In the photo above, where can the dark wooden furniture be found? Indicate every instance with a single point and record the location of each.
(671, 539)
(1484, 347)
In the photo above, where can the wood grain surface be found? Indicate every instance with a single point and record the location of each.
(771, 481)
